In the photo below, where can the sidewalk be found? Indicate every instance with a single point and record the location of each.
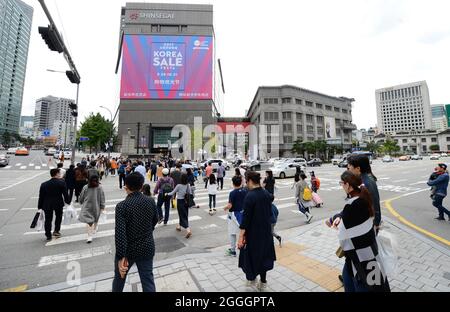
(306, 263)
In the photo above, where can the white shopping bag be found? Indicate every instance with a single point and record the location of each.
(387, 254)
(70, 215)
(103, 218)
(40, 225)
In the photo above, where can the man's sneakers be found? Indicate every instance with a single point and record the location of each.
(230, 253)
(57, 235)
(309, 217)
(48, 239)
(440, 218)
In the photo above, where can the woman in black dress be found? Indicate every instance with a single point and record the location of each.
(257, 254)
(269, 182)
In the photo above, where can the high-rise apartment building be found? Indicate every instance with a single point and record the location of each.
(404, 107)
(15, 27)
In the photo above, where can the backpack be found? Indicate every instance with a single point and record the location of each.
(166, 187)
(307, 194)
(121, 170)
(317, 183)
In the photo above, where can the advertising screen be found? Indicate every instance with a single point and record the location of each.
(330, 128)
(167, 67)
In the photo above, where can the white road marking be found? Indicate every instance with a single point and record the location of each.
(82, 254)
(28, 209)
(18, 165)
(417, 183)
(8, 167)
(18, 183)
(7, 199)
(384, 179)
(23, 167)
(3, 210)
(31, 165)
(82, 237)
(398, 181)
(37, 168)
(44, 165)
(207, 227)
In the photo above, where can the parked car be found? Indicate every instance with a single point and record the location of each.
(416, 157)
(316, 162)
(300, 161)
(50, 152)
(343, 164)
(387, 159)
(4, 160)
(22, 151)
(337, 160)
(435, 157)
(11, 151)
(404, 158)
(215, 164)
(444, 155)
(286, 170)
(257, 165)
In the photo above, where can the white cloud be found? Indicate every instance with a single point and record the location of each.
(342, 48)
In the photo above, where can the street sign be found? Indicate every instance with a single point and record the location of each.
(46, 133)
(84, 139)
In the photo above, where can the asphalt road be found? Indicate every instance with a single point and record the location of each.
(26, 259)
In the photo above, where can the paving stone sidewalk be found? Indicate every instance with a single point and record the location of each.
(306, 263)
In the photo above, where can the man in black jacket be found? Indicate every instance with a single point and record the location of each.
(136, 218)
(52, 196)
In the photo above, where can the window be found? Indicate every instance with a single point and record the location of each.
(337, 109)
(309, 118)
(320, 131)
(448, 140)
(286, 101)
(299, 128)
(287, 116)
(319, 106)
(270, 101)
(310, 130)
(344, 111)
(287, 139)
(433, 140)
(320, 119)
(298, 102)
(309, 104)
(424, 140)
(271, 116)
(328, 108)
(299, 117)
(287, 128)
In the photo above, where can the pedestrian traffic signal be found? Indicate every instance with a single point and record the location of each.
(73, 77)
(51, 38)
(73, 106)
(75, 114)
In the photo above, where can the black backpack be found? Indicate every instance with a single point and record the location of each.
(166, 187)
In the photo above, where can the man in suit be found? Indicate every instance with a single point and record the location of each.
(52, 196)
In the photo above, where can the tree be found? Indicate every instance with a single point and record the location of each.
(390, 147)
(373, 147)
(298, 147)
(98, 130)
(434, 148)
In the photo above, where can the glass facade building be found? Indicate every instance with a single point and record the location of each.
(15, 27)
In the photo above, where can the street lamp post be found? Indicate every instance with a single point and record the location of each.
(110, 131)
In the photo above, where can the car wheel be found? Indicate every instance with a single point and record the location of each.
(282, 175)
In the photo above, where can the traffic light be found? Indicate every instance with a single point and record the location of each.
(75, 114)
(51, 39)
(73, 106)
(73, 77)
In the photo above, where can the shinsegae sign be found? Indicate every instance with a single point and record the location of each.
(135, 15)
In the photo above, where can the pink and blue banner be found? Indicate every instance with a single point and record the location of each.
(167, 67)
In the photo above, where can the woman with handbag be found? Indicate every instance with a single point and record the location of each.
(183, 191)
(257, 251)
(92, 199)
(362, 272)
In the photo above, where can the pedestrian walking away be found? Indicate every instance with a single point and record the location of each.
(257, 251)
(274, 220)
(136, 218)
(164, 186)
(122, 174)
(70, 181)
(52, 196)
(208, 173)
(235, 208)
(269, 182)
(62, 171)
(439, 183)
(81, 179)
(303, 196)
(362, 270)
(220, 175)
(92, 200)
(182, 192)
(212, 194)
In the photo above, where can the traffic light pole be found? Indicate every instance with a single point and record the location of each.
(74, 148)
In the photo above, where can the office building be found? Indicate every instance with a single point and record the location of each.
(300, 114)
(26, 126)
(439, 117)
(404, 107)
(15, 27)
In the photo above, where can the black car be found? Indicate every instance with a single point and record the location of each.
(316, 162)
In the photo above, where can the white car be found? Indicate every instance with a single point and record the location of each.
(387, 159)
(300, 161)
(12, 150)
(435, 157)
(215, 163)
(416, 157)
(444, 155)
(286, 170)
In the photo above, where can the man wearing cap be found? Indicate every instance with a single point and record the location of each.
(164, 186)
(439, 181)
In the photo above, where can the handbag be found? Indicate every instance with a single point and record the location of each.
(40, 225)
(387, 255)
(340, 253)
(103, 218)
(35, 220)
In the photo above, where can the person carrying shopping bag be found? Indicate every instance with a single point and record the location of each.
(303, 196)
(92, 200)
